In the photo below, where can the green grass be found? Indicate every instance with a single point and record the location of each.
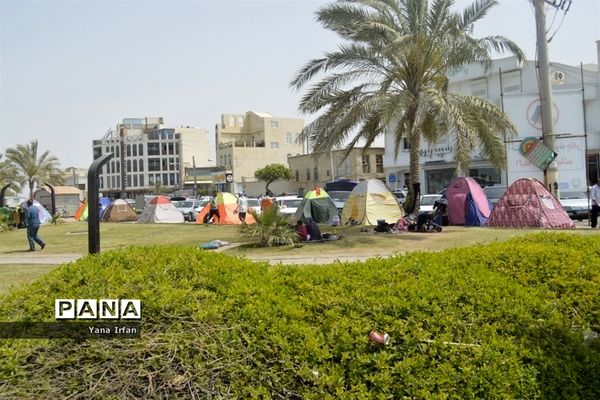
(498, 321)
(13, 276)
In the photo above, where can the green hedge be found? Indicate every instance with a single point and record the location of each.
(498, 321)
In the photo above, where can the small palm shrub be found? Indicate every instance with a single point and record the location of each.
(4, 225)
(271, 228)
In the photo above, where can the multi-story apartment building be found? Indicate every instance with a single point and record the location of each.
(248, 142)
(147, 153)
(309, 170)
(512, 85)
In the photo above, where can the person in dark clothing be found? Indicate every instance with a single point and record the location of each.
(214, 209)
(33, 226)
(313, 230)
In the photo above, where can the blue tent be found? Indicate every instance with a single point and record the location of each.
(103, 204)
(473, 215)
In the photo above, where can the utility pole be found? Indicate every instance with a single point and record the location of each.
(546, 103)
(195, 178)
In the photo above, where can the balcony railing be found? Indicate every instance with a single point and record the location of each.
(242, 143)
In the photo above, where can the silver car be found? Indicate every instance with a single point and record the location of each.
(189, 208)
(576, 204)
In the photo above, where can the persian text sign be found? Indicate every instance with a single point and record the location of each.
(536, 152)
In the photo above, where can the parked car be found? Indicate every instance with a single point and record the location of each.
(576, 204)
(428, 200)
(339, 198)
(400, 196)
(189, 208)
(254, 204)
(494, 193)
(288, 205)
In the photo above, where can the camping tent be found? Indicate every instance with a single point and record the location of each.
(43, 214)
(527, 203)
(119, 211)
(227, 205)
(317, 205)
(82, 212)
(369, 201)
(160, 210)
(467, 204)
(103, 203)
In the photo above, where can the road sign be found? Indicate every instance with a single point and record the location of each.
(229, 178)
(392, 178)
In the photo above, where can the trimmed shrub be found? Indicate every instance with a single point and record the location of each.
(497, 321)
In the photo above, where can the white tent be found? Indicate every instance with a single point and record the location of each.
(369, 201)
(160, 211)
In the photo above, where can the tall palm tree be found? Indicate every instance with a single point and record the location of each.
(391, 75)
(9, 176)
(32, 169)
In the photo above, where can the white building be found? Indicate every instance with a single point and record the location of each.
(147, 152)
(513, 86)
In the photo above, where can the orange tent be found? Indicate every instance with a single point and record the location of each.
(227, 205)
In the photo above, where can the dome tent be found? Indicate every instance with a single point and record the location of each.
(370, 201)
(119, 211)
(467, 203)
(160, 210)
(527, 204)
(227, 206)
(317, 205)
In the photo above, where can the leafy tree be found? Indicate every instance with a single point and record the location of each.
(392, 76)
(271, 228)
(33, 169)
(159, 188)
(9, 176)
(271, 173)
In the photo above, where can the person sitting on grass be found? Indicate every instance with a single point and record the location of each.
(302, 232)
(313, 230)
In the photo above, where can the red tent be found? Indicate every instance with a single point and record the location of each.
(527, 204)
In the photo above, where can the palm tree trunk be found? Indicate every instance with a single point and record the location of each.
(415, 172)
(31, 183)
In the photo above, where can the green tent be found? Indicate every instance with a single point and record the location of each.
(317, 205)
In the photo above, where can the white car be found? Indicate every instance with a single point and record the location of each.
(288, 205)
(576, 204)
(428, 200)
(254, 204)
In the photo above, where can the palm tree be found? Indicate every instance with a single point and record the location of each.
(33, 169)
(392, 76)
(9, 176)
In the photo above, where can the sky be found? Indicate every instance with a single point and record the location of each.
(71, 70)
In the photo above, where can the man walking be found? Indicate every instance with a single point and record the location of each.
(242, 207)
(33, 226)
(595, 203)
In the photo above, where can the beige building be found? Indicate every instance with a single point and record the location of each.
(248, 142)
(310, 169)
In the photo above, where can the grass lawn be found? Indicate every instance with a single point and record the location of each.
(16, 275)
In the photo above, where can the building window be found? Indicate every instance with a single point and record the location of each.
(379, 163)
(172, 164)
(486, 176)
(176, 148)
(275, 145)
(101, 182)
(154, 164)
(366, 164)
(405, 144)
(134, 152)
(141, 149)
(153, 149)
(128, 183)
(297, 176)
(142, 165)
(151, 179)
(171, 148)
(288, 138)
(172, 179)
(118, 180)
(135, 179)
(316, 174)
(112, 179)
(308, 174)
(274, 124)
(328, 172)
(141, 180)
(134, 164)
(118, 167)
(164, 149)
(117, 151)
(128, 166)
(164, 164)
(165, 179)
(128, 150)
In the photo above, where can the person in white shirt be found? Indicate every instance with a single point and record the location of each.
(242, 207)
(595, 203)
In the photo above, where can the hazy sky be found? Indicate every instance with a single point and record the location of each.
(70, 70)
